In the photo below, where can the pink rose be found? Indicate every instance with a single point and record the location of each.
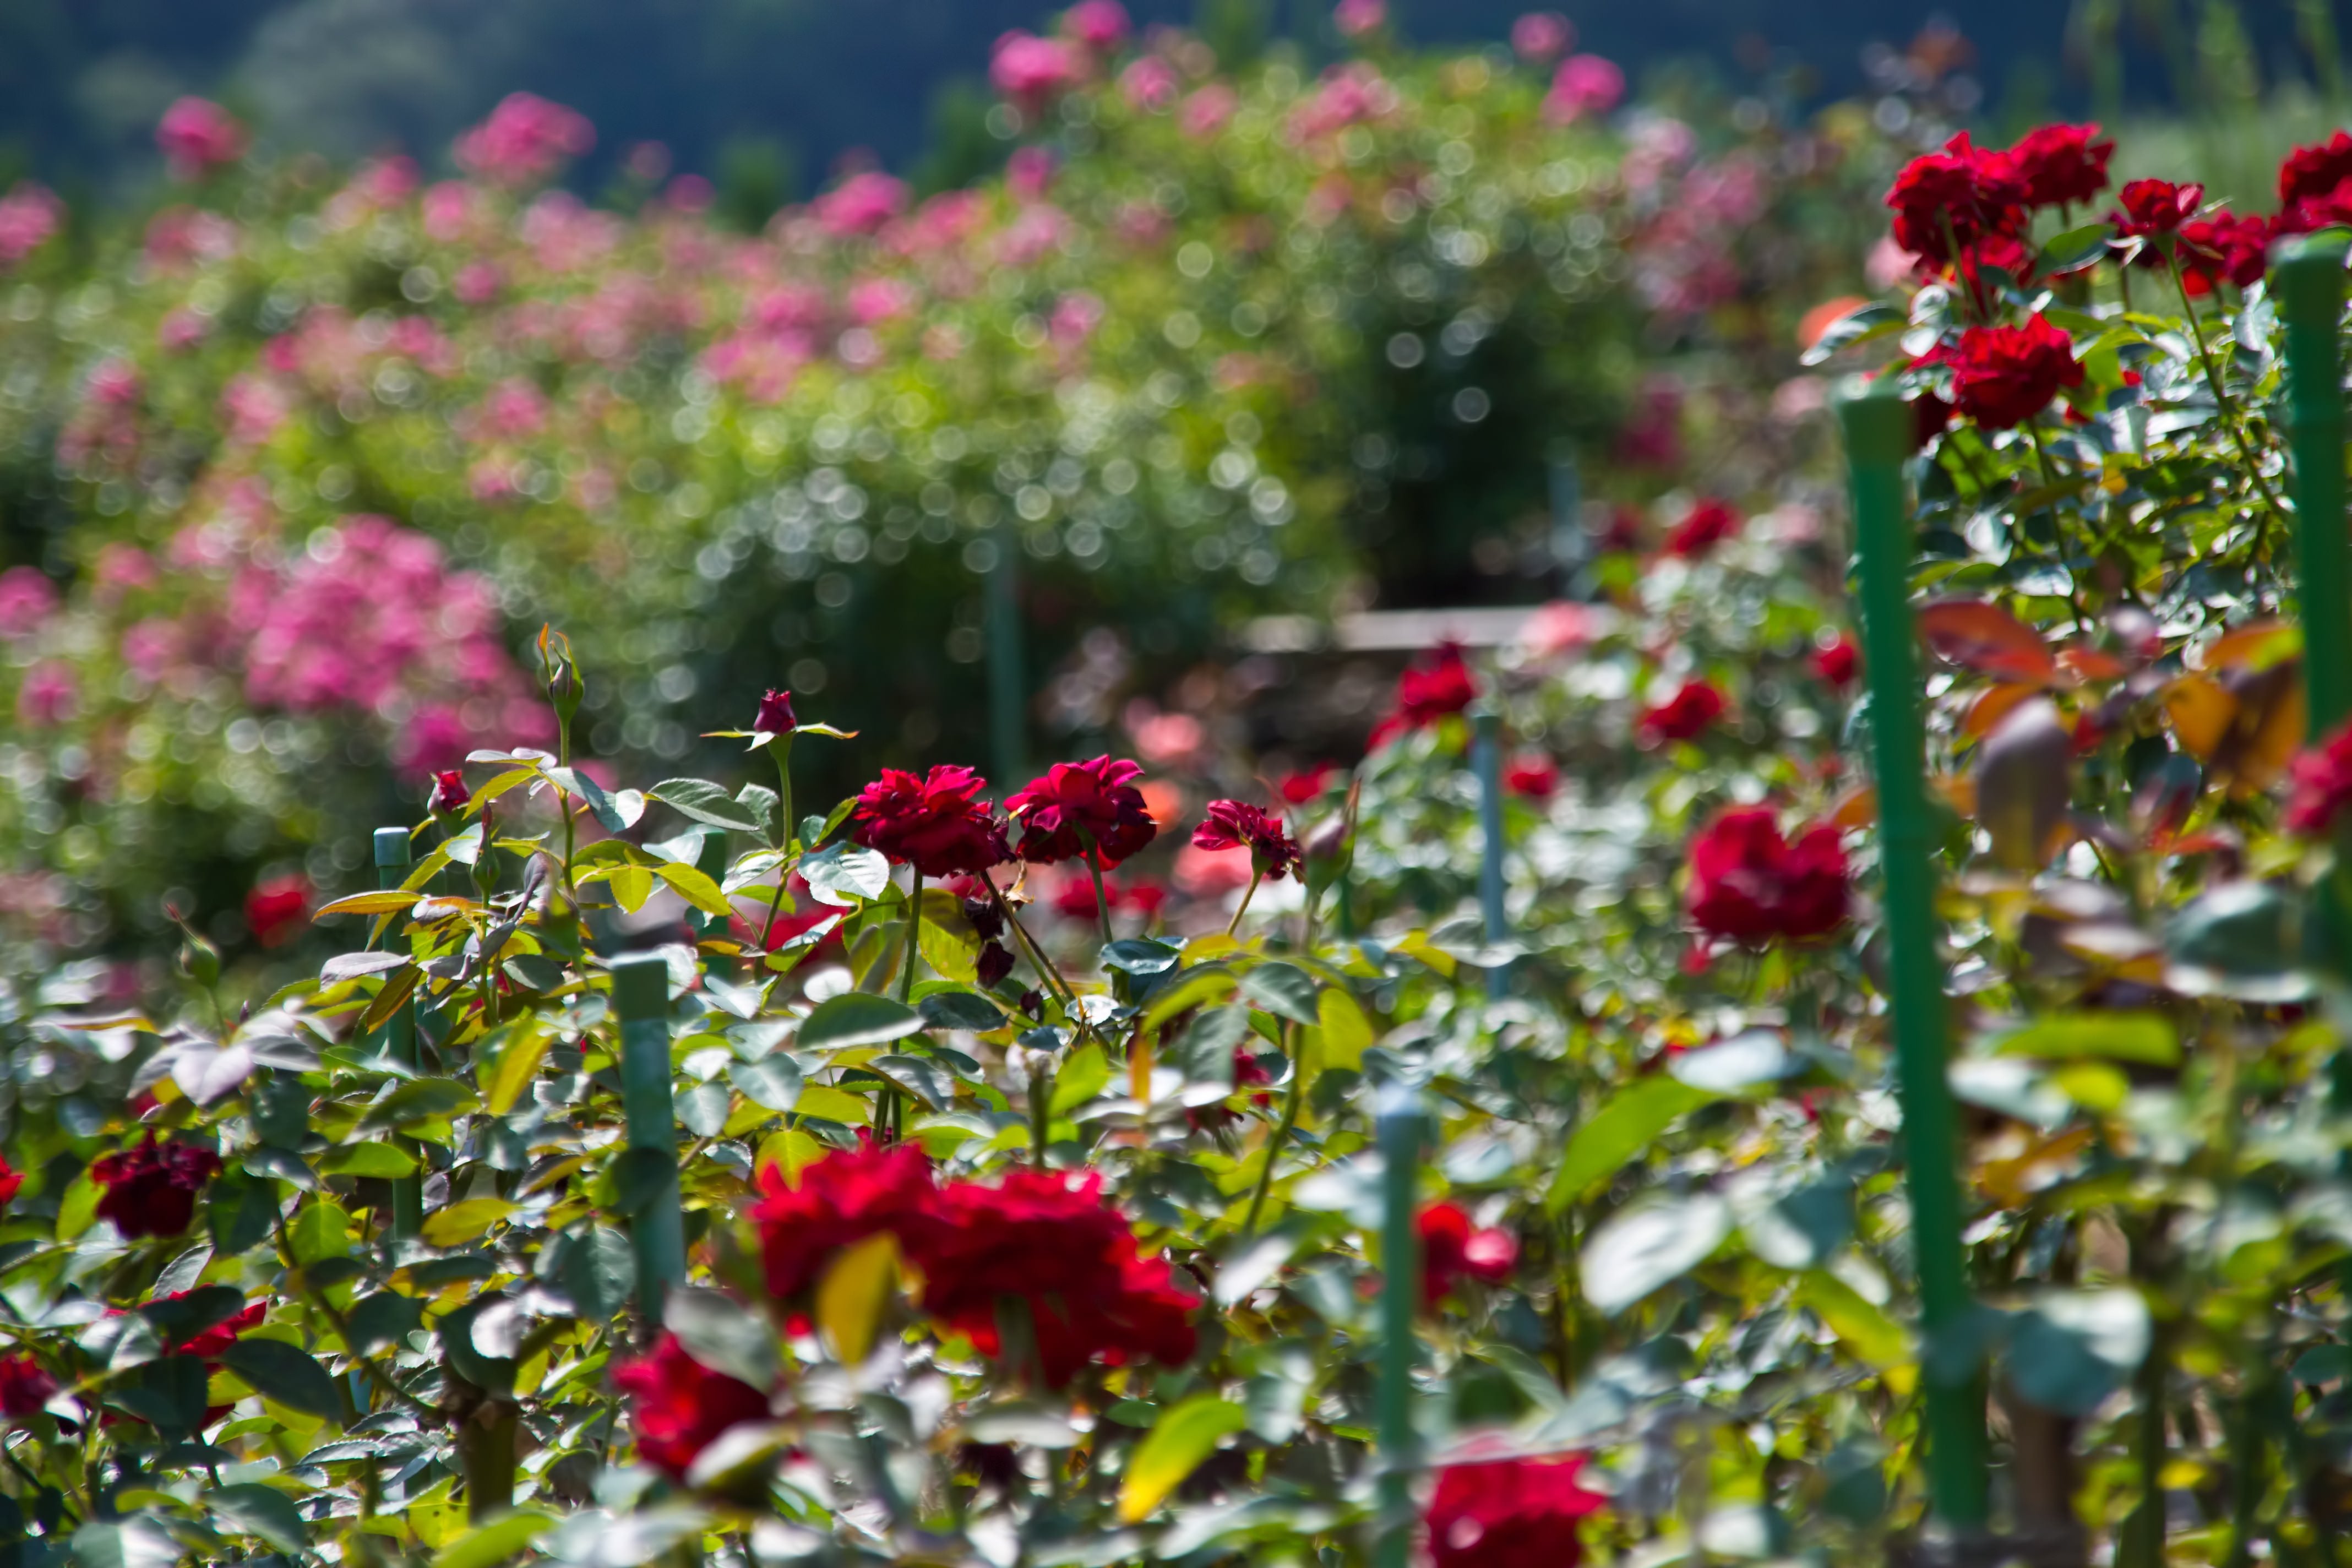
(1586, 84)
(197, 136)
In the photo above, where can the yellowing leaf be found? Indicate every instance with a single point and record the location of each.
(1345, 1029)
(1876, 1339)
(696, 889)
(1178, 1442)
(390, 900)
(462, 1222)
(1081, 1078)
(830, 1104)
(632, 886)
(494, 1542)
(517, 1064)
(1417, 944)
(851, 1297)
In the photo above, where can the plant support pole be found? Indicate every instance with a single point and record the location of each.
(2309, 289)
(1878, 429)
(1402, 1131)
(657, 1223)
(392, 863)
(1487, 762)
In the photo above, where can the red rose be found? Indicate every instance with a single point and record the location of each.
(1686, 715)
(2221, 247)
(1052, 1242)
(450, 792)
(1838, 663)
(1531, 777)
(2309, 172)
(775, 716)
(2151, 209)
(2321, 209)
(10, 1180)
(936, 824)
(1429, 690)
(1961, 194)
(2003, 376)
(151, 1189)
(2323, 785)
(2061, 164)
(1298, 788)
(1509, 1513)
(1082, 805)
(840, 1200)
(1748, 884)
(1453, 1250)
(679, 1406)
(26, 1385)
(1233, 824)
(1710, 522)
(275, 910)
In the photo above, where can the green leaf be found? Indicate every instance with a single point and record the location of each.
(168, 1391)
(1647, 1245)
(1876, 1339)
(2075, 248)
(956, 1008)
(772, 1083)
(631, 886)
(704, 801)
(381, 1161)
(1859, 327)
(857, 1018)
(854, 1293)
(1630, 1123)
(491, 1544)
(1139, 955)
(1179, 1441)
(427, 1099)
(2146, 1038)
(597, 1270)
(239, 1210)
(696, 889)
(463, 1222)
(251, 1509)
(2072, 1349)
(724, 1335)
(846, 874)
(133, 1542)
(284, 1372)
(321, 1230)
(1284, 990)
(386, 1318)
(78, 1210)
(1081, 1078)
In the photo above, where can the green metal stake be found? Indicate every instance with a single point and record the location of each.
(1487, 762)
(1401, 1127)
(712, 863)
(1007, 683)
(392, 858)
(2309, 288)
(658, 1230)
(1878, 428)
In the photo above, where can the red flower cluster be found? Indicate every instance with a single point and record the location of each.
(1082, 805)
(1838, 663)
(1509, 1513)
(1453, 1250)
(150, 1190)
(1235, 824)
(679, 1407)
(1686, 715)
(24, 1386)
(1531, 776)
(2323, 787)
(276, 910)
(1748, 884)
(2003, 376)
(1037, 1237)
(1962, 194)
(1429, 690)
(1710, 522)
(2223, 248)
(937, 824)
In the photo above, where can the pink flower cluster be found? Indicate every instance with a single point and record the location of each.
(524, 141)
(29, 215)
(197, 136)
(1586, 84)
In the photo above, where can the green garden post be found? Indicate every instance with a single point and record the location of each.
(393, 856)
(2309, 288)
(657, 1228)
(1401, 1124)
(1878, 436)
(712, 863)
(1008, 694)
(1487, 762)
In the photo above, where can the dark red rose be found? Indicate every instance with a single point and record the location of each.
(1431, 689)
(1299, 788)
(1235, 824)
(1710, 522)
(2222, 247)
(775, 716)
(24, 1386)
(2152, 209)
(1958, 196)
(1452, 1249)
(1509, 1513)
(450, 792)
(1078, 805)
(2061, 164)
(2321, 209)
(679, 1406)
(2322, 786)
(1748, 884)
(2003, 376)
(1531, 776)
(2309, 172)
(277, 910)
(1052, 1241)
(839, 1201)
(994, 963)
(937, 824)
(1684, 716)
(2005, 252)
(1838, 663)
(151, 1189)
(10, 1180)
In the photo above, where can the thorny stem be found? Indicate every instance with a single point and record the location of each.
(1281, 1134)
(2228, 405)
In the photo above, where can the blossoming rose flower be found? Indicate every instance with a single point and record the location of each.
(1235, 825)
(151, 1189)
(1748, 884)
(1708, 524)
(937, 824)
(2221, 247)
(1961, 194)
(1454, 1249)
(276, 909)
(26, 1385)
(2150, 209)
(1511, 1514)
(197, 136)
(678, 1406)
(2003, 376)
(1684, 716)
(2060, 164)
(2315, 171)
(1531, 777)
(1431, 689)
(2323, 785)
(838, 1201)
(1054, 1244)
(1081, 806)
(1838, 662)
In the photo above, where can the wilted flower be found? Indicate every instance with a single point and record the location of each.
(197, 136)
(1684, 716)
(1454, 1249)
(1081, 806)
(1748, 884)
(678, 1407)
(937, 824)
(1236, 824)
(2003, 376)
(1509, 1513)
(151, 1189)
